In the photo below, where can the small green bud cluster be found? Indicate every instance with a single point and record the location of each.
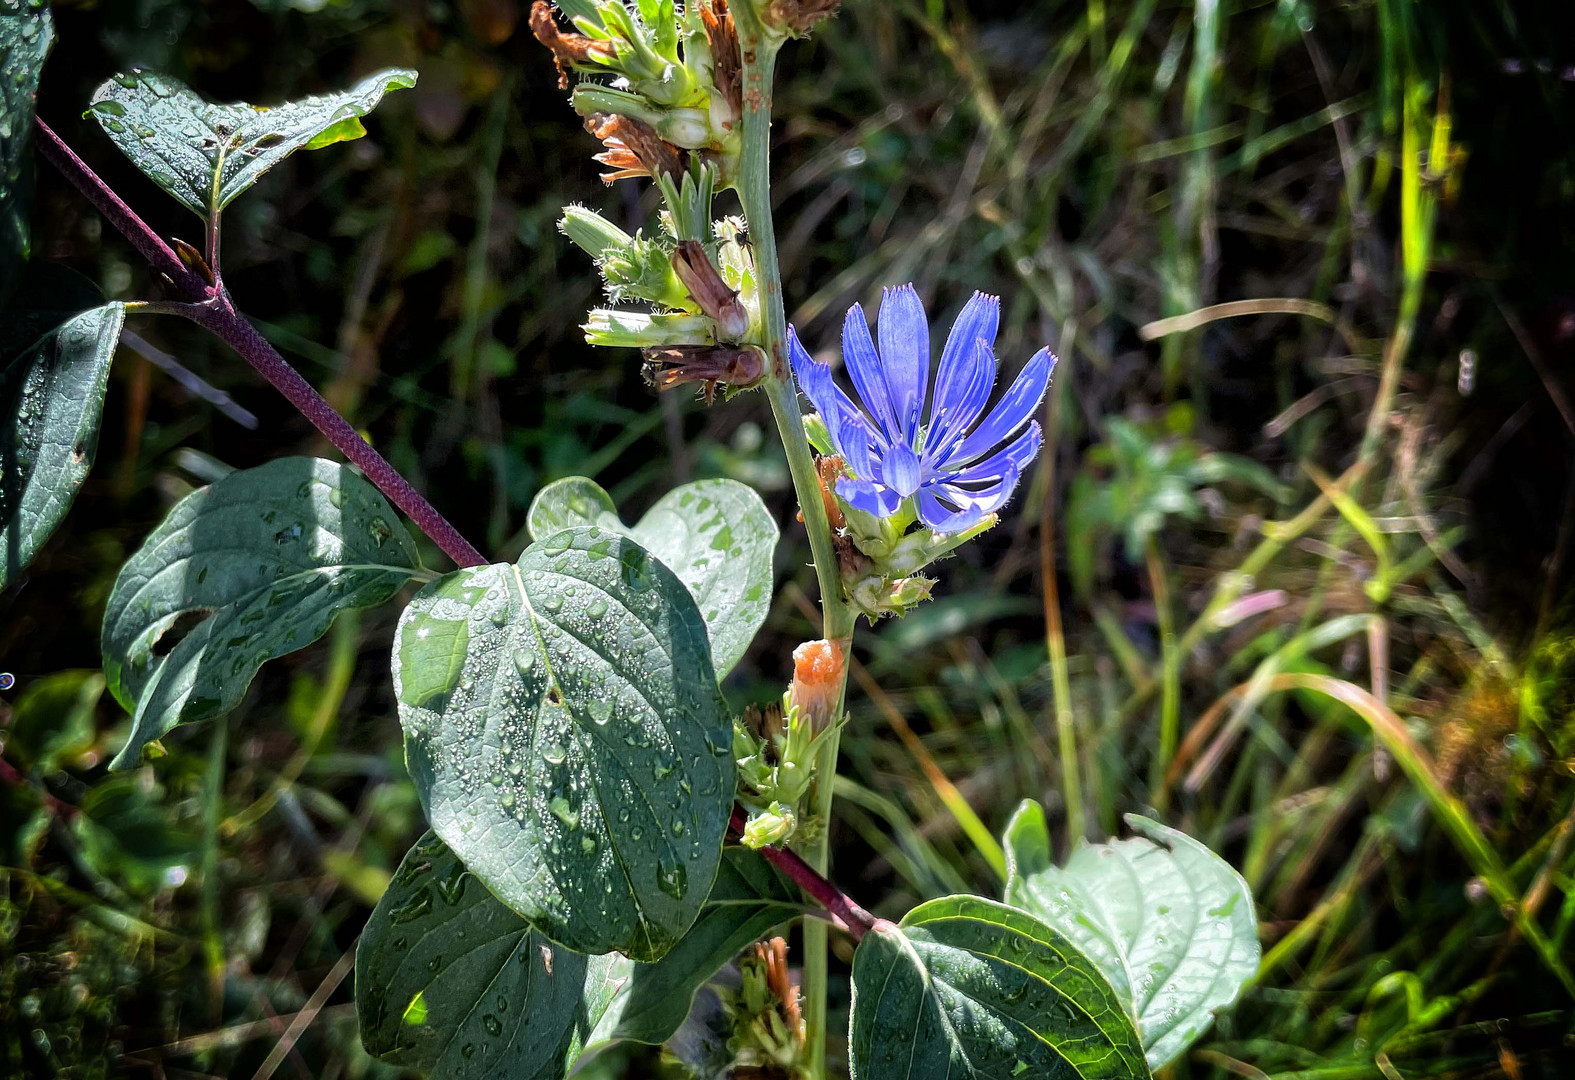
(776, 748)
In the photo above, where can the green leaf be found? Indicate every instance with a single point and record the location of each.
(570, 744)
(443, 966)
(749, 899)
(451, 982)
(1169, 922)
(969, 988)
(206, 154)
(246, 570)
(26, 34)
(52, 722)
(54, 371)
(716, 535)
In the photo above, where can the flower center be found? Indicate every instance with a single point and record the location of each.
(901, 467)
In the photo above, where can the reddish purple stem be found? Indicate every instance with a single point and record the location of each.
(848, 914)
(212, 308)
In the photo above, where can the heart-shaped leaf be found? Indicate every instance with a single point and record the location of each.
(247, 569)
(568, 740)
(26, 34)
(1169, 922)
(54, 371)
(206, 154)
(969, 988)
(452, 982)
(716, 535)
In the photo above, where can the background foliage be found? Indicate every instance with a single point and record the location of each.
(1101, 166)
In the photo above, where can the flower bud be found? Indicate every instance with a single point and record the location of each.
(876, 596)
(637, 330)
(817, 683)
(592, 233)
(689, 128)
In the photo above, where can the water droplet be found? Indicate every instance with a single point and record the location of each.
(493, 1025)
(553, 754)
(672, 878)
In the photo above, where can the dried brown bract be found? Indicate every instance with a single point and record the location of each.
(668, 366)
(800, 16)
(726, 59)
(716, 298)
(567, 49)
(633, 148)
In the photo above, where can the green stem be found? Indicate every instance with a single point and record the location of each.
(1170, 678)
(759, 47)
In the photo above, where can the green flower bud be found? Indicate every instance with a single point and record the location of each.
(637, 330)
(592, 233)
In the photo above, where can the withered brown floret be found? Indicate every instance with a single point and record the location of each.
(633, 148)
(738, 366)
(568, 49)
(726, 59)
(799, 16)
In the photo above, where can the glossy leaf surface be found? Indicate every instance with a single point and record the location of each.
(969, 988)
(57, 339)
(26, 35)
(1169, 922)
(568, 740)
(716, 535)
(451, 981)
(205, 154)
(247, 569)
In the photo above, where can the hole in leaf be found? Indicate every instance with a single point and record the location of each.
(553, 696)
(184, 624)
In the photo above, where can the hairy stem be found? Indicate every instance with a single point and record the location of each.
(212, 308)
(759, 47)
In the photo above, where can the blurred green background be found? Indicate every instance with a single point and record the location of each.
(1376, 179)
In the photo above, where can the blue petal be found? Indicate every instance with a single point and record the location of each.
(1016, 456)
(936, 501)
(977, 322)
(965, 405)
(871, 498)
(942, 520)
(905, 358)
(851, 432)
(899, 467)
(863, 364)
(1010, 413)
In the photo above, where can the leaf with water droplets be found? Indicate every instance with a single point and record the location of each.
(1169, 922)
(443, 965)
(206, 154)
(26, 34)
(969, 988)
(578, 758)
(243, 571)
(716, 535)
(441, 955)
(56, 345)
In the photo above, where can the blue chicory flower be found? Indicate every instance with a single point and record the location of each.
(895, 453)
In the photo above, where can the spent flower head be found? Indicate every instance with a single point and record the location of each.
(952, 464)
